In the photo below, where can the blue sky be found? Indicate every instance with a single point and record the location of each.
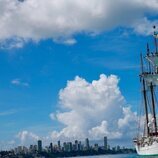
(34, 68)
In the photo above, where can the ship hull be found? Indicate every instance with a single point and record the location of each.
(148, 150)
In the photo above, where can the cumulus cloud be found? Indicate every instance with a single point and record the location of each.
(60, 20)
(27, 137)
(93, 110)
(102, 130)
(24, 138)
(128, 119)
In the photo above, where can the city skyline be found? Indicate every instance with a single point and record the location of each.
(70, 70)
(59, 146)
(67, 149)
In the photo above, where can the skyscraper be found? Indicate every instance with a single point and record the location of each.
(59, 147)
(76, 145)
(87, 143)
(39, 146)
(65, 146)
(69, 146)
(51, 147)
(79, 145)
(105, 143)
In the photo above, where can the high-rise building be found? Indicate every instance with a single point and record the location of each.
(105, 143)
(65, 146)
(31, 148)
(87, 143)
(25, 150)
(39, 146)
(76, 145)
(114, 149)
(109, 147)
(96, 147)
(19, 149)
(118, 148)
(79, 145)
(69, 144)
(59, 146)
(51, 147)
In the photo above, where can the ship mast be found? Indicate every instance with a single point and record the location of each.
(147, 144)
(155, 38)
(145, 97)
(152, 86)
(150, 81)
(153, 107)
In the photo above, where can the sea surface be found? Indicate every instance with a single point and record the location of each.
(118, 156)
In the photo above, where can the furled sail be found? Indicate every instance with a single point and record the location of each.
(150, 78)
(153, 59)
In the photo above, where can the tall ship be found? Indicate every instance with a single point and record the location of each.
(146, 142)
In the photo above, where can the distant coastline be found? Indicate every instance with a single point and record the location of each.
(44, 154)
(68, 149)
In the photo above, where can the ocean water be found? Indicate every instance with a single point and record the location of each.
(119, 156)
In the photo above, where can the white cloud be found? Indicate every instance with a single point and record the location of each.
(93, 110)
(66, 41)
(145, 26)
(129, 118)
(88, 109)
(60, 19)
(24, 137)
(18, 82)
(70, 41)
(102, 130)
(27, 137)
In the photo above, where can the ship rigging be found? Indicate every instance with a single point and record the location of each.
(147, 143)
